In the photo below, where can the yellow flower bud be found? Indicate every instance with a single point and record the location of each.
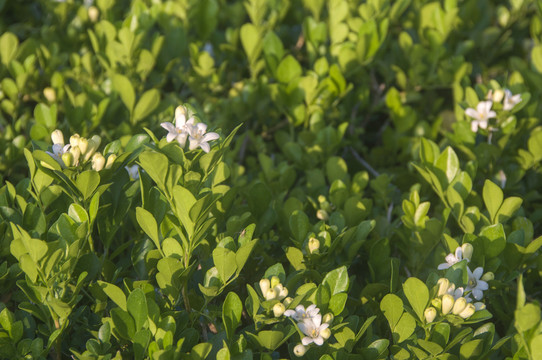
(430, 314)
(67, 159)
(110, 160)
(437, 303)
(278, 309)
(83, 145)
(447, 303)
(322, 215)
(57, 137)
(328, 318)
(76, 152)
(287, 301)
(314, 245)
(300, 350)
(467, 250)
(74, 140)
(321, 198)
(488, 276)
(50, 94)
(325, 333)
(443, 285)
(264, 286)
(468, 311)
(459, 305)
(275, 281)
(93, 13)
(98, 162)
(271, 294)
(93, 144)
(498, 95)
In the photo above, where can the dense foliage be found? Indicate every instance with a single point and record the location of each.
(327, 179)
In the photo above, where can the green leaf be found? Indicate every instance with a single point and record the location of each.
(493, 198)
(147, 222)
(62, 309)
(288, 69)
(448, 163)
(231, 313)
(125, 89)
(337, 303)
(392, 308)
(156, 165)
(337, 280)
(508, 208)
(295, 256)
(471, 349)
(124, 324)
(526, 317)
(494, 240)
(404, 328)
(8, 47)
(417, 295)
(250, 38)
(114, 293)
(299, 225)
(46, 115)
(137, 307)
(146, 104)
(536, 58)
(87, 182)
(536, 341)
(224, 261)
(270, 339)
(184, 201)
(141, 342)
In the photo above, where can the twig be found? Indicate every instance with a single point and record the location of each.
(364, 163)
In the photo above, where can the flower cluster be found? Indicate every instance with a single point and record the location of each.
(309, 321)
(187, 129)
(483, 112)
(457, 300)
(79, 151)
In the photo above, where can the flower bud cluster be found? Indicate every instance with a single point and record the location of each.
(79, 151)
(309, 321)
(325, 208)
(457, 300)
(273, 290)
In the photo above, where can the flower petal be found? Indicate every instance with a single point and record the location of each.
(205, 146)
(443, 266)
(482, 285)
(168, 126)
(319, 341)
(306, 340)
(472, 113)
(478, 294)
(210, 136)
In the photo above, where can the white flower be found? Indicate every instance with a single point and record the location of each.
(300, 314)
(458, 293)
(133, 171)
(312, 328)
(198, 137)
(476, 285)
(452, 259)
(181, 129)
(59, 148)
(482, 114)
(510, 100)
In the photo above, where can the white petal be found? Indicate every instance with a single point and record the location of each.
(472, 113)
(170, 136)
(306, 340)
(319, 340)
(205, 146)
(459, 253)
(482, 124)
(478, 294)
(194, 143)
(478, 272)
(484, 106)
(491, 114)
(304, 327)
(317, 320)
(443, 266)
(210, 136)
(168, 126)
(482, 285)
(181, 138)
(201, 127)
(289, 313)
(474, 126)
